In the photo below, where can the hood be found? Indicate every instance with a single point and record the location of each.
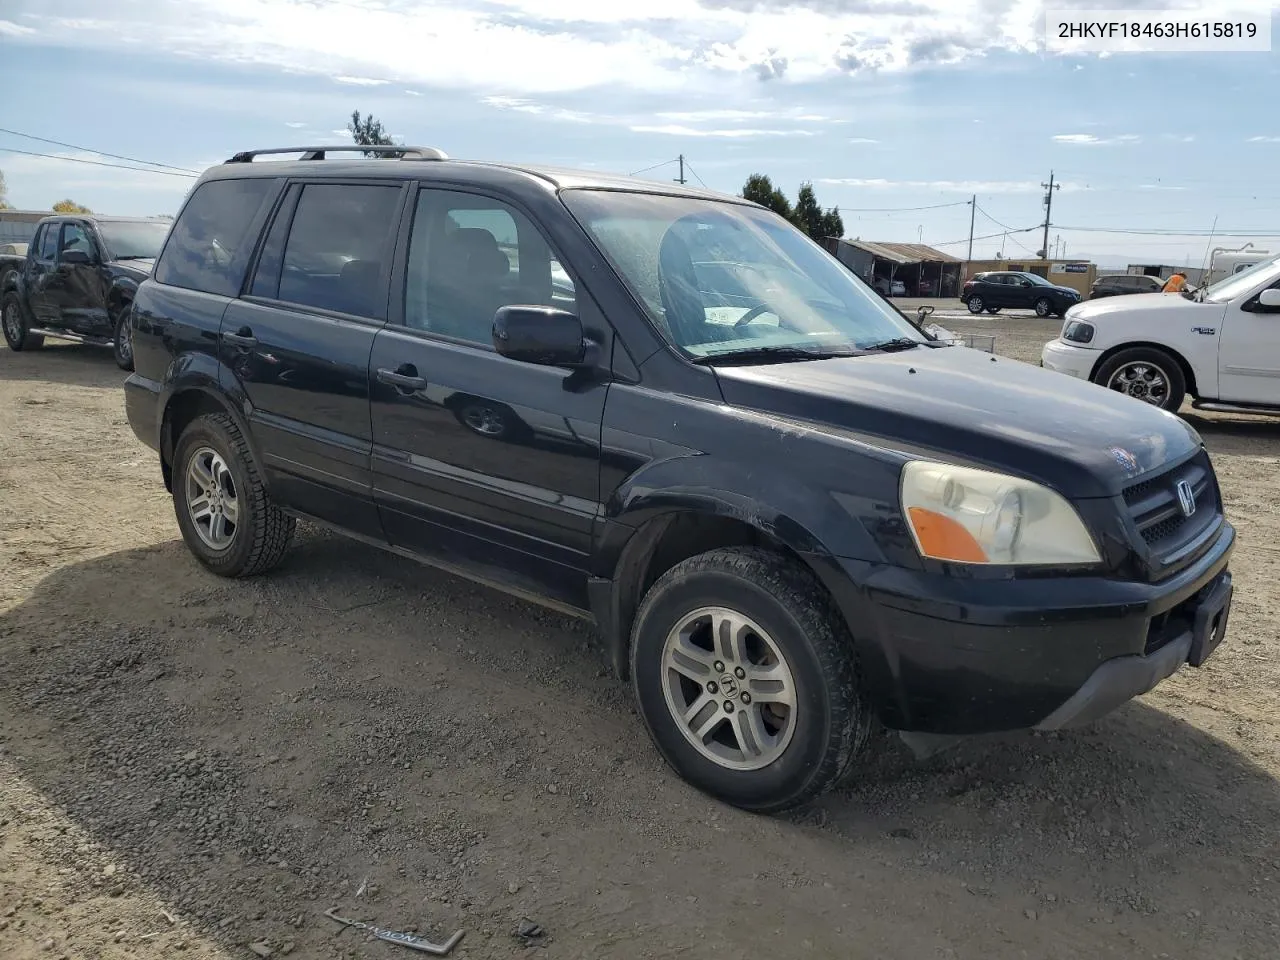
(141, 268)
(966, 406)
(1069, 291)
(1136, 303)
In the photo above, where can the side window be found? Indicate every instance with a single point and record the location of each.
(334, 256)
(49, 242)
(74, 238)
(266, 277)
(210, 243)
(470, 255)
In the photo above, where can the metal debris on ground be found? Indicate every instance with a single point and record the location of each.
(409, 940)
(530, 933)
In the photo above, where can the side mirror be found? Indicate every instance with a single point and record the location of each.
(536, 334)
(923, 312)
(75, 256)
(1269, 298)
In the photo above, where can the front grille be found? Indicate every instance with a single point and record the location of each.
(1156, 509)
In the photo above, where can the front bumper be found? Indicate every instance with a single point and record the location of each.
(1063, 357)
(950, 655)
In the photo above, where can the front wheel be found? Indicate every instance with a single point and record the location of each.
(123, 340)
(746, 679)
(976, 305)
(1147, 374)
(17, 334)
(226, 517)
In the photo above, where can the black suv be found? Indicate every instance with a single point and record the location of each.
(1018, 291)
(1122, 284)
(789, 513)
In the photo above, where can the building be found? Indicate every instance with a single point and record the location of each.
(19, 226)
(1078, 275)
(923, 271)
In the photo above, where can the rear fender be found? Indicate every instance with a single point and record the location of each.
(204, 376)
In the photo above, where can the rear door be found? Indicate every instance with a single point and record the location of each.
(297, 344)
(480, 461)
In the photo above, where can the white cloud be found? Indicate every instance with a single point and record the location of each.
(294, 124)
(862, 140)
(414, 93)
(576, 44)
(38, 182)
(948, 186)
(678, 130)
(9, 28)
(1088, 139)
(1264, 139)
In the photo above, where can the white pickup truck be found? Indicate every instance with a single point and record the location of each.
(1219, 344)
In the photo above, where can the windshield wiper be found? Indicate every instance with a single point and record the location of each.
(135, 256)
(775, 355)
(894, 345)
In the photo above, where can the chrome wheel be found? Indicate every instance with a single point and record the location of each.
(729, 688)
(484, 420)
(12, 322)
(124, 341)
(1043, 307)
(1142, 381)
(976, 305)
(211, 499)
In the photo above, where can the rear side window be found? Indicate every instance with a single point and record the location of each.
(338, 243)
(210, 244)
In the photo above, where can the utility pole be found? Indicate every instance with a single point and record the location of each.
(680, 179)
(1048, 210)
(973, 209)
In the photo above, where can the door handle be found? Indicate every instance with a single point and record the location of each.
(404, 377)
(241, 338)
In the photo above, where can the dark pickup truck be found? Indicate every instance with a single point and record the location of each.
(77, 282)
(788, 512)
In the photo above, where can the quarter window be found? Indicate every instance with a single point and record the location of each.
(338, 242)
(209, 245)
(470, 255)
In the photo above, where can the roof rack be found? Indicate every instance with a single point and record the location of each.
(318, 153)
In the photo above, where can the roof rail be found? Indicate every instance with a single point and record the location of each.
(318, 153)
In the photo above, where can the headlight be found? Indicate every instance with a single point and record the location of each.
(1078, 331)
(973, 516)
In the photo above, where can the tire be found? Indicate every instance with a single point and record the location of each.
(17, 332)
(1043, 307)
(122, 337)
(1124, 374)
(975, 305)
(261, 531)
(775, 599)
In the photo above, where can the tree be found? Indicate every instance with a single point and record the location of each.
(4, 193)
(761, 190)
(368, 132)
(70, 206)
(807, 214)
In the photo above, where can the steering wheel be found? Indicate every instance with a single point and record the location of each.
(754, 312)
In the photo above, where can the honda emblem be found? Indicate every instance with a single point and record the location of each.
(1186, 498)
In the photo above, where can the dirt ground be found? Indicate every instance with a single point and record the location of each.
(196, 768)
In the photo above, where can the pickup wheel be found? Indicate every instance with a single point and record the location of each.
(223, 510)
(122, 338)
(747, 679)
(17, 334)
(1147, 374)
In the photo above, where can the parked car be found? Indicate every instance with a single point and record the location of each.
(77, 282)
(996, 290)
(1122, 284)
(891, 288)
(789, 516)
(1217, 344)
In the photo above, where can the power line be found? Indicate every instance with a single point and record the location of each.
(96, 163)
(935, 206)
(952, 243)
(689, 167)
(1006, 227)
(654, 167)
(101, 153)
(1162, 232)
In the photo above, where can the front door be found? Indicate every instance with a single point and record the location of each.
(40, 270)
(297, 345)
(75, 289)
(1249, 352)
(479, 461)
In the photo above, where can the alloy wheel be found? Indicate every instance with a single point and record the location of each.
(211, 498)
(1142, 381)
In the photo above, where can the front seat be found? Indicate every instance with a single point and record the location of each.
(682, 303)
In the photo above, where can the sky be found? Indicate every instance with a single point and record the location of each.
(898, 111)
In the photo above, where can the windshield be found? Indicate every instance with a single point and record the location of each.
(721, 278)
(133, 241)
(1243, 282)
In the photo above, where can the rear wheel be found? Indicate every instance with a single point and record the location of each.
(746, 678)
(17, 332)
(976, 305)
(1043, 307)
(1146, 374)
(227, 519)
